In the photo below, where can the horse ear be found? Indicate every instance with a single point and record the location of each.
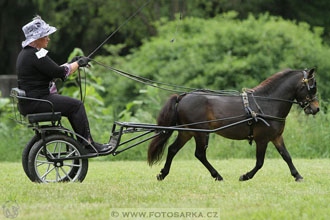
(311, 72)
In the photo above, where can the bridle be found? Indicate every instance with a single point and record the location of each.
(305, 103)
(310, 97)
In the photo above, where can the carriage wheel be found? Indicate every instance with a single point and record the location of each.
(25, 159)
(58, 146)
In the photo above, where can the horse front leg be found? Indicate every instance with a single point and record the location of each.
(260, 154)
(200, 153)
(280, 146)
(180, 141)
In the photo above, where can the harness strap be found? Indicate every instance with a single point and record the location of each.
(261, 114)
(245, 100)
(250, 112)
(256, 116)
(254, 99)
(247, 106)
(306, 80)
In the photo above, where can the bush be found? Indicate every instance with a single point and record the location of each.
(219, 53)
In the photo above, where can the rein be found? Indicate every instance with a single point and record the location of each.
(82, 96)
(156, 84)
(79, 82)
(277, 99)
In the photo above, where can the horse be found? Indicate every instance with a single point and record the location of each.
(270, 101)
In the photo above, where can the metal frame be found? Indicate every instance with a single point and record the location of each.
(149, 128)
(125, 128)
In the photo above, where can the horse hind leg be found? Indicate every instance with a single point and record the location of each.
(201, 146)
(173, 149)
(260, 154)
(280, 146)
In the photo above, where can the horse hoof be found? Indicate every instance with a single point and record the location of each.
(160, 177)
(218, 178)
(243, 178)
(299, 179)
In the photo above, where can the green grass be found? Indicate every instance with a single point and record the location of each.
(271, 194)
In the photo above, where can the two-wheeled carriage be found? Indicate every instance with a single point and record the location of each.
(54, 154)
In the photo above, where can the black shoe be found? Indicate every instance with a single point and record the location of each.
(101, 148)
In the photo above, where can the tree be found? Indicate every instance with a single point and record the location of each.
(86, 23)
(11, 34)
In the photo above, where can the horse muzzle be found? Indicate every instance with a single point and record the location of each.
(312, 108)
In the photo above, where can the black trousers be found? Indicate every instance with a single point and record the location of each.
(72, 108)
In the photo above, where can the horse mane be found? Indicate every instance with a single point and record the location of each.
(269, 83)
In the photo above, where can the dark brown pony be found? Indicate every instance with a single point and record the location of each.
(271, 100)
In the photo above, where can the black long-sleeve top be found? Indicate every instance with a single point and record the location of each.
(34, 74)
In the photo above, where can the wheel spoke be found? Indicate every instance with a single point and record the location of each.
(70, 153)
(50, 153)
(71, 165)
(43, 162)
(55, 147)
(57, 174)
(48, 167)
(66, 174)
(44, 176)
(59, 151)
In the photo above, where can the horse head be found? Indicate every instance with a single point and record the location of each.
(306, 93)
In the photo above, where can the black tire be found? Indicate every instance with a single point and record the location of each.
(72, 170)
(25, 156)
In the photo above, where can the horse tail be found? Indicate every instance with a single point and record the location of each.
(166, 117)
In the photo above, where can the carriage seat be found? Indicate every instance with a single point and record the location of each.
(43, 117)
(18, 94)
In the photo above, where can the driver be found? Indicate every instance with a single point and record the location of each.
(36, 72)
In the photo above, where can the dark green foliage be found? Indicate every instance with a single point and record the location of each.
(220, 53)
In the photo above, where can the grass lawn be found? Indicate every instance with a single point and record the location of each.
(271, 194)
